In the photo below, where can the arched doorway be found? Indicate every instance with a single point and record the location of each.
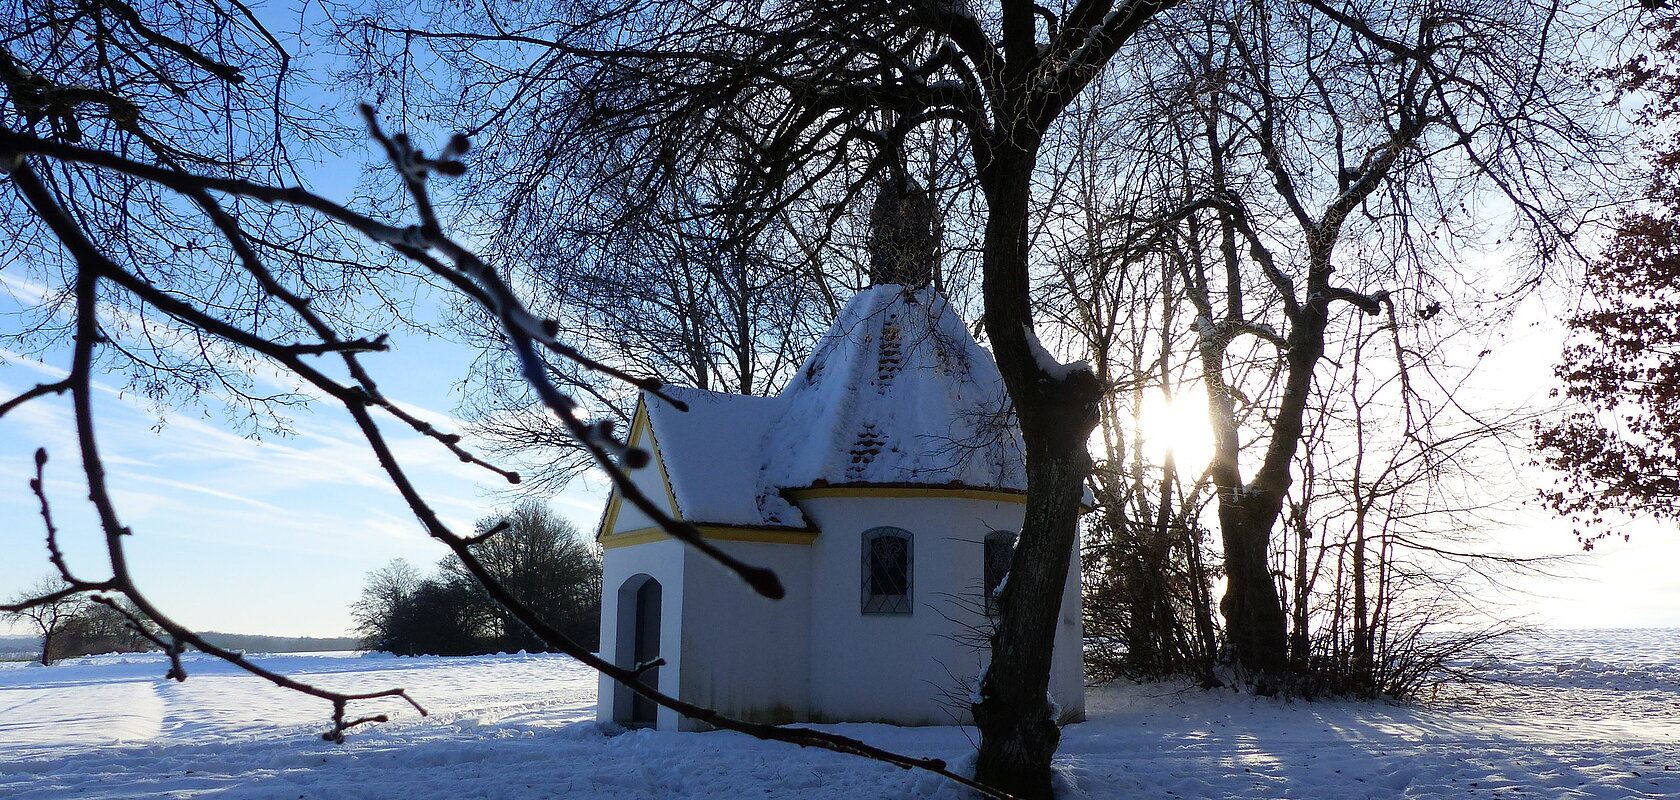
(639, 609)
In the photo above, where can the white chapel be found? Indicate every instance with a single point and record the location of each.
(884, 485)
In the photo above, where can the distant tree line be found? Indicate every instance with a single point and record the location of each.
(541, 558)
(82, 624)
(255, 643)
(87, 624)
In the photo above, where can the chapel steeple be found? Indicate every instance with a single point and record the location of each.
(902, 247)
(883, 484)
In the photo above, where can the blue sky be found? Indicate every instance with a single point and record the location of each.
(244, 535)
(276, 535)
(270, 535)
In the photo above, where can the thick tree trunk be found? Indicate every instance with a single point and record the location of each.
(1254, 620)
(1018, 733)
(1256, 626)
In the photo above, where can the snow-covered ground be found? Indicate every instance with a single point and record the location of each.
(1583, 715)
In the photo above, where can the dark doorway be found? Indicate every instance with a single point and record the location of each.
(640, 604)
(643, 710)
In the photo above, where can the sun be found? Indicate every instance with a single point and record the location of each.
(1177, 424)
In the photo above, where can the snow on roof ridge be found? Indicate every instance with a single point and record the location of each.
(712, 454)
(897, 392)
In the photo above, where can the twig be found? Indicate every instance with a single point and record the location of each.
(38, 485)
(462, 269)
(40, 390)
(91, 265)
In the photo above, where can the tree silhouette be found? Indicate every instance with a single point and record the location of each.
(1618, 450)
(48, 606)
(538, 556)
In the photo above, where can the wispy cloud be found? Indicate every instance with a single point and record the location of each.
(26, 292)
(282, 525)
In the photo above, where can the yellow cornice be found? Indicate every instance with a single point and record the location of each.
(641, 431)
(965, 492)
(914, 491)
(726, 533)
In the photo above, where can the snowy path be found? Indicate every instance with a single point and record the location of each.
(1600, 723)
(1198, 745)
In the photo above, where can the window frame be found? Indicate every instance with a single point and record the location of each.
(988, 559)
(886, 604)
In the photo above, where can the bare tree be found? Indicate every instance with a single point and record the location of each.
(1400, 488)
(48, 606)
(1115, 299)
(678, 295)
(197, 86)
(835, 89)
(1333, 157)
(386, 591)
(835, 94)
(1284, 143)
(290, 324)
(822, 97)
(544, 561)
(537, 556)
(104, 625)
(360, 399)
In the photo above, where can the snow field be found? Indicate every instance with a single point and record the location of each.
(1577, 716)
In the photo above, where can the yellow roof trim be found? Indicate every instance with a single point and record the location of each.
(725, 533)
(641, 435)
(879, 491)
(658, 457)
(969, 493)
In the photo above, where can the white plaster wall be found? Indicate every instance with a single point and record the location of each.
(664, 561)
(815, 654)
(744, 654)
(1067, 660)
(894, 667)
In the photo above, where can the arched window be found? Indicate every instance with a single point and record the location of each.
(999, 552)
(886, 571)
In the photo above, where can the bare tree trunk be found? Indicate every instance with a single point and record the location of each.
(1254, 621)
(1203, 612)
(1018, 734)
(1361, 667)
(1253, 609)
(1299, 636)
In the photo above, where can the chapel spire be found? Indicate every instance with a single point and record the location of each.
(902, 247)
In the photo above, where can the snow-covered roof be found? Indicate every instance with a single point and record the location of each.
(897, 392)
(713, 452)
